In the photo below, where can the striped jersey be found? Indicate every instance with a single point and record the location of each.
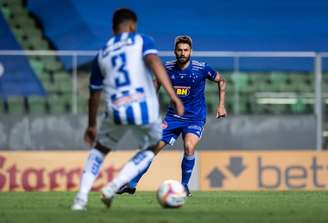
(120, 71)
(189, 85)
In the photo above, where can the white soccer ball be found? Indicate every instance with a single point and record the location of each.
(171, 194)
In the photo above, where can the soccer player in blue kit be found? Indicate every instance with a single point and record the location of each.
(188, 77)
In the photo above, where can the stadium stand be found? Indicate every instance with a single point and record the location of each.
(225, 26)
(17, 79)
(49, 70)
(32, 24)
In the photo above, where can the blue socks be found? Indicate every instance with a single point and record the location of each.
(187, 166)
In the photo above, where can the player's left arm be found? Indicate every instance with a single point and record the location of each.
(222, 85)
(96, 86)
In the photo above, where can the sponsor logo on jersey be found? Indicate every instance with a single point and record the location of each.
(127, 100)
(182, 90)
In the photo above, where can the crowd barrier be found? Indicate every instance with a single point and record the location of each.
(214, 171)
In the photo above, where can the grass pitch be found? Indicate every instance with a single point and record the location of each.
(49, 207)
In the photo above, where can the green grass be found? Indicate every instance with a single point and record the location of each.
(49, 207)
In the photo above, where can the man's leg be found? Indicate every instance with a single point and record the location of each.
(137, 164)
(148, 136)
(188, 161)
(131, 187)
(171, 132)
(90, 172)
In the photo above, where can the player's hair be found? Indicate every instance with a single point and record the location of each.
(122, 15)
(182, 39)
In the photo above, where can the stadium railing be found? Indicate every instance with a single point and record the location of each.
(250, 91)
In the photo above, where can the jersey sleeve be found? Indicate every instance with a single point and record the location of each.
(148, 46)
(96, 78)
(209, 72)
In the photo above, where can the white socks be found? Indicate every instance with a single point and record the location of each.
(90, 172)
(131, 169)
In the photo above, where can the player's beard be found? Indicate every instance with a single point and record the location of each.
(183, 60)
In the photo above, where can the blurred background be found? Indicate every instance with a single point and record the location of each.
(273, 54)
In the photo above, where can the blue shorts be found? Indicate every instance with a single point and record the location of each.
(173, 127)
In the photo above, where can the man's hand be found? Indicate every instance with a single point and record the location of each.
(221, 112)
(178, 105)
(90, 136)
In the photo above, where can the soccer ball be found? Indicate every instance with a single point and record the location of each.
(171, 194)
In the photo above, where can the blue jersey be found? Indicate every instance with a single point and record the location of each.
(189, 84)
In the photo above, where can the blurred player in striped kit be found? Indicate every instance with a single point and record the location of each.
(188, 77)
(122, 70)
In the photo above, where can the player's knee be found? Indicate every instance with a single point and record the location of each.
(189, 148)
(101, 148)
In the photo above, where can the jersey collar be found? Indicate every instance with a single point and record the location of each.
(185, 69)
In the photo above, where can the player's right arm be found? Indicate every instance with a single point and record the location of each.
(157, 68)
(96, 85)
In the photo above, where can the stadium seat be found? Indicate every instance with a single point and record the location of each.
(37, 104)
(302, 83)
(242, 107)
(2, 107)
(63, 82)
(44, 77)
(20, 34)
(298, 107)
(16, 105)
(279, 82)
(37, 65)
(51, 87)
(241, 82)
(325, 81)
(13, 3)
(62, 77)
(21, 21)
(229, 106)
(211, 96)
(33, 32)
(59, 104)
(50, 62)
(229, 81)
(261, 82)
(6, 12)
(18, 10)
(82, 105)
(38, 43)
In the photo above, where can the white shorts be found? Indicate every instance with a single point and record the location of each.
(110, 134)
